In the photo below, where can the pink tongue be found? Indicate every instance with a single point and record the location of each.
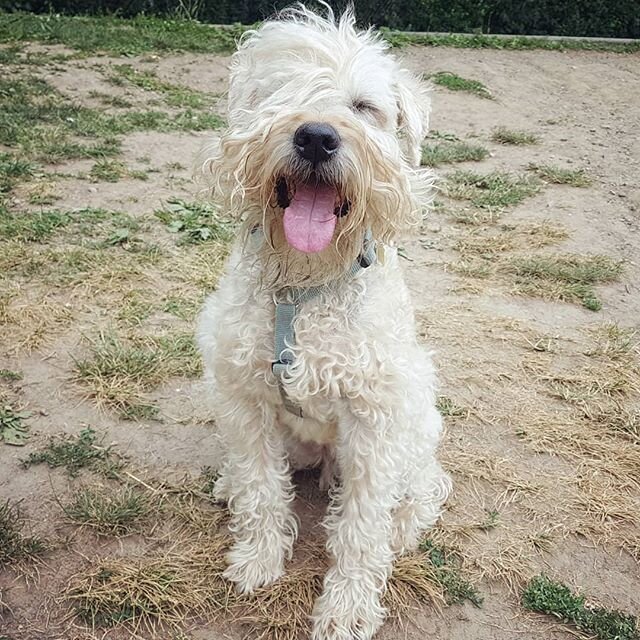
(309, 220)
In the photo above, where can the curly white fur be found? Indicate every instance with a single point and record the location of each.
(366, 387)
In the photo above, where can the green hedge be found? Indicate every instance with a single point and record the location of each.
(613, 18)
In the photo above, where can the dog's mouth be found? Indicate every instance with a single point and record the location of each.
(311, 209)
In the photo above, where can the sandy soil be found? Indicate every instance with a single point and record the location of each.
(544, 484)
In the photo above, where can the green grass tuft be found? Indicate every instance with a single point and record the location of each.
(83, 451)
(119, 373)
(510, 136)
(454, 82)
(115, 512)
(7, 375)
(195, 221)
(14, 546)
(556, 599)
(13, 169)
(449, 152)
(494, 190)
(445, 570)
(108, 170)
(12, 428)
(447, 407)
(557, 175)
(564, 277)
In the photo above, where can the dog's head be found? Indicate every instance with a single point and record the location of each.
(323, 140)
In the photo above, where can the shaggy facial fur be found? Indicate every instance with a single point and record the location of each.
(303, 68)
(323, 143)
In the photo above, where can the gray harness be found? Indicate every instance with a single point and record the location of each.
(289, 299)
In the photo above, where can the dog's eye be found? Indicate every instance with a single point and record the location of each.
(362, 106)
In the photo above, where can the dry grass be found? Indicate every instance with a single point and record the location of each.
(107, 510)
(502, 135)
(474, 217)
(15, 546)
(203, 267)
(566, 277)
(496, 190)
(163, 589)
(616, 343)
(30, 319)
(559, 175)
(179, 578)
(449, 152)
(121, 371)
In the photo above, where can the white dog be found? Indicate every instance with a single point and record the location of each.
(312, 317)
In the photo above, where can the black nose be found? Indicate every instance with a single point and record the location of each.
(316, 141)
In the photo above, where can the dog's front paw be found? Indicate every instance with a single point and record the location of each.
(252, 567)
(346, 610)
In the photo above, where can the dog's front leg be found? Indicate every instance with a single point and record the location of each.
(257, 484)
(359, 525)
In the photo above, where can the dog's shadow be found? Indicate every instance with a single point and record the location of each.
(311, 502)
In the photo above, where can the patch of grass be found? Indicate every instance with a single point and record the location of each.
(116, 512)
(12, 428)
(108, 170)
(10, 55)
(182, 307)
(13, 169)
(44, 125)
(173, 94)
(119, 373)
(483, 41)
(195, 221)
(556, 599)
(454, 82)
(557, 175)
(18, 56)
(43, 192)
(14, 545)
(47, 126)
(475, 218)
(564, 277)
(182, 583)
(446, 571)
(7, 375)
(136, 307)
(484, 245)
(111, 100)
(450, 152)
(447, 407)
(83, 451)
(583, 386)
(479, 243)
(120, 36)
(495, 190)
(472, 268)
(616, 343)
(39, 226)
(503, 135)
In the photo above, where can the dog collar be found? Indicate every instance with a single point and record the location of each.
(287, 302)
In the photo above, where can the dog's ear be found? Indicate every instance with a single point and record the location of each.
(413, 101)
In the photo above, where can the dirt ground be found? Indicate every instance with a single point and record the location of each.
(541, 395)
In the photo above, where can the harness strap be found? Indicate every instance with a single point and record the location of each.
(286, 312)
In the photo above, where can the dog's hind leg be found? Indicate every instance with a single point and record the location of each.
(359, 525)
(257, 484)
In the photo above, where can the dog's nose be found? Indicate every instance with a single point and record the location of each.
(316, 141)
